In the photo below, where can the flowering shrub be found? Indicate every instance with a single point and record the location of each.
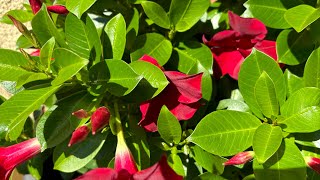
(179, 89)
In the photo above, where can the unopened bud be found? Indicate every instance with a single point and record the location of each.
(79, 135)
(35, 5)
(313, 163)
(240, 158)
(35, 53)
(58, 9)
(80, 114)
(99, 119)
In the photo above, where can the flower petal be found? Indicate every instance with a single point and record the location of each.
(224, 39)
(151, 60)
(99, 174)
(159, 171)
(229, 63)
(268, 47)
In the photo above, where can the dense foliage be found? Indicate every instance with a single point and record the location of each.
(138, 89)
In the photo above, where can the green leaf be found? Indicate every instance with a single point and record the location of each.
(58, 123)
(210, 162)
(20, 15)
(168, 126)
(94, 39)
(251, 69)
(293, 82)
(78, 7)
(116, 31)
(286, 164)
(294, 48)
(132, 29)
(311, 75)
(10, 62)
(225, 133)
(301, 16)
(208, 176)
(175, 163)
(15, 111)
(117, 76)
(44, 28)
(184, 14)
(69, 159)
(271, 12)
(24, 79)
(154, 45)
(156, 13)
(265, 94)
(77, 36)
(46, 53)
(67, 64)
(266, 141)
(232, 104)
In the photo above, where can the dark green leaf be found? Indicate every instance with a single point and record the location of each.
(168, 126)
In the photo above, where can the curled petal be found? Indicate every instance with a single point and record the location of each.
(223, 39)
(268, 47)
(99, 174)
(151, 60)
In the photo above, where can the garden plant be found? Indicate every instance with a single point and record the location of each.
(162, 90)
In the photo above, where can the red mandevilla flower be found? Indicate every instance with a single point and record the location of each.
(313, 163)
(14, 155)
(181, 96)
(240, 158)
(230, 47)
(79, 135)
(99, 119)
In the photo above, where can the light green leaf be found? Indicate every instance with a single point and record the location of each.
(67, 64)
(168, 126)
(156, 13)
(301, 16)
(20, 15)
(78, 7)
(266, 141)
(251, 69)
(293, 82)
(294, 48)
(154, 45)
(286, 164)
(232, 104)
(46, 53)
(24, 79)
(116, 31)
(69, 159)
(311, 75)
(184, 14)
(10, 62)
(225, 133)
(175, 163)
(44, 28)
(265, 94)
(15, 111)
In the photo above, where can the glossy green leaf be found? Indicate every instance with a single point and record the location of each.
(301, 16)
(266, 141)
(44, 28)
(271, 12)
(293, 82)
(116, 31)
(24, 79)
(69, 159)
(232, 104)
(46, 53)
(265, 94)
(225, 133)
(58, 124)
(210, 162)
(118, 77)
(184, 14)
(77, 36)
(78, 7)
(156, 13)
(94, 39)
(154, 45)
(311, 74)
(15, 111)
(251, 69)
(176, 164)
(67, 64)
(168, 126)
(286, 164)
(10, 65)
(294, 48)
(132, 29)
(20, 15)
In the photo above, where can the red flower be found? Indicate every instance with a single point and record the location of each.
(240, 158)
(13, 155)
(36, 6)
(79, 135)
(313, 163)
(80, 114)
(99, 119)
(35, 53)
(181, 96)
(231, 47)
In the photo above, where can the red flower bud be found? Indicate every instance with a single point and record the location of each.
(99, 119)
(58, 9)
(240, 158)
(35, 5)
(313, 163)
(35, 53)
(79, 135)
(80, 114)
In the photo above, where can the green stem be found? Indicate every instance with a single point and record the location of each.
(117, 122)
(171, 34)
